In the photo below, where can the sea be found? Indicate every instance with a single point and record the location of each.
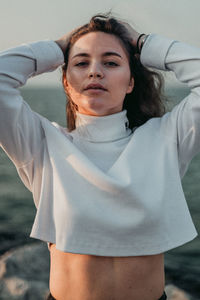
(17, 211)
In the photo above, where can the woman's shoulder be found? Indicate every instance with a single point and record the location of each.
(62, 129)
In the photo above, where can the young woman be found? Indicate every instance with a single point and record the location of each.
(108, 188)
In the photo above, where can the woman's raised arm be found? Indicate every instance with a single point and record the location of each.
(21, 133)
(182, 124)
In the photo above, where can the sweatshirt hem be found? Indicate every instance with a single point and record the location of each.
(118, 250)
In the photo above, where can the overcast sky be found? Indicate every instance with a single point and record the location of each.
(24, 21)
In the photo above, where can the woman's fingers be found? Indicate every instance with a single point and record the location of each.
(64, 40)
(132, 32)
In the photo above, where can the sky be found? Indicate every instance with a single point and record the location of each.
(25, 21)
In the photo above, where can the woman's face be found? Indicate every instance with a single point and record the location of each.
(98, 75)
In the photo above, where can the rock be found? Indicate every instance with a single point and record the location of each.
(16, 286)
(174, 293)
(24, 273)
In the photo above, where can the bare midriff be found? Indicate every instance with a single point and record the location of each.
(90, 277)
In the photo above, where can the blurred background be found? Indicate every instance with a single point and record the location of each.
(25, 21)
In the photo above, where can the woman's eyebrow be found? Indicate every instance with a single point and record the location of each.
(110, 53)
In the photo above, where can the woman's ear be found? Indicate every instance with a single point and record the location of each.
(130, 86)
(65, 81)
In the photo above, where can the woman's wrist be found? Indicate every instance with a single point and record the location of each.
(61, 44)
(140, 42)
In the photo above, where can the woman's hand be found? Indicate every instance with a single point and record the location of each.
(132, 32)
(134, 35)
(64, 40)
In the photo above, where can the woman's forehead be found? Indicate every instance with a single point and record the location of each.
(97, 42)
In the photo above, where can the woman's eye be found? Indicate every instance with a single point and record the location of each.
(111, 64)
(81, 64)
(85, 63)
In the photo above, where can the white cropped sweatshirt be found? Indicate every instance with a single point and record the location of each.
(103, 189)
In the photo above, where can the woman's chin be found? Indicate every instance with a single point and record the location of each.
(96, 106)
(93, 106)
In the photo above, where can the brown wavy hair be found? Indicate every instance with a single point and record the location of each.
(146, 99)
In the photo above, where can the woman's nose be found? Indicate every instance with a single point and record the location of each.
(95, 71)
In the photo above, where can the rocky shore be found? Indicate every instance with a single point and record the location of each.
(24, 275)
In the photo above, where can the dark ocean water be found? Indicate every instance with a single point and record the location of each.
(17, 209)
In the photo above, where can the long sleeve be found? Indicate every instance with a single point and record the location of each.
(21, 133)
(183, 122)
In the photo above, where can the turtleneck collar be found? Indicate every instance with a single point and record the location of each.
(102, 128)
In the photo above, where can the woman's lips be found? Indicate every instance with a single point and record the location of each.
(95, 86)
(92, 90)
